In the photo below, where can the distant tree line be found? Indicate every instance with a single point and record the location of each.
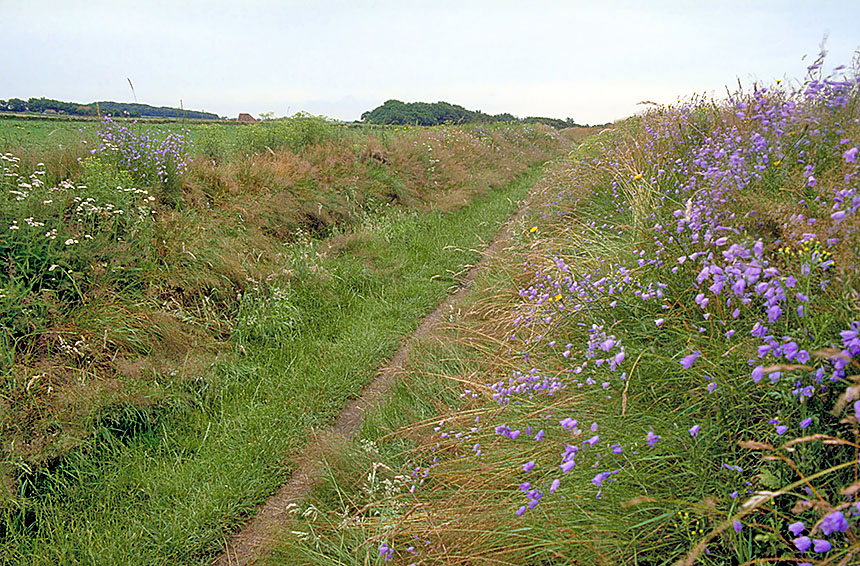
(134, 110)
(436, 113)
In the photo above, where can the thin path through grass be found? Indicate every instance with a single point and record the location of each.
(199, 466)
(255, 539)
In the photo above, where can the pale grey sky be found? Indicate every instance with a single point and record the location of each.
(589, 60)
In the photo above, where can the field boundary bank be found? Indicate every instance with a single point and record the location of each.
(254, 540)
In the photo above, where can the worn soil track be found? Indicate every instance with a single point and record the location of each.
(255, 539)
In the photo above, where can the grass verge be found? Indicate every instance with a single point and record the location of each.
(166, 484)
(665, 372)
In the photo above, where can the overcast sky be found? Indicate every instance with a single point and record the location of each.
(589, 60)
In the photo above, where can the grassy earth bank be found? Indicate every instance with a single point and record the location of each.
(149, 404)
(664, 371)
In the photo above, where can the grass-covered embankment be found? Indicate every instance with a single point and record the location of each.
(165, 363)
(665, 372)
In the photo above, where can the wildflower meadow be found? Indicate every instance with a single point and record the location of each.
(662, 367)
(664, 370)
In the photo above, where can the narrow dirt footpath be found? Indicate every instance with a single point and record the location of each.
(254, 540)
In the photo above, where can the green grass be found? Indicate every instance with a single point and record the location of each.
(164, 484)
(365, 489)
(121, 283)
(719, 454)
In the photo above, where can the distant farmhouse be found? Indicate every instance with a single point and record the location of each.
(243, 117)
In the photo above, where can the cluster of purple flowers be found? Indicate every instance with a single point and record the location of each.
(833, 522)
(150, 158)
(740, 283)
(709, 262)
(602, 352)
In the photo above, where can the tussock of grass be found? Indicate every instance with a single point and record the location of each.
(664, 373)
